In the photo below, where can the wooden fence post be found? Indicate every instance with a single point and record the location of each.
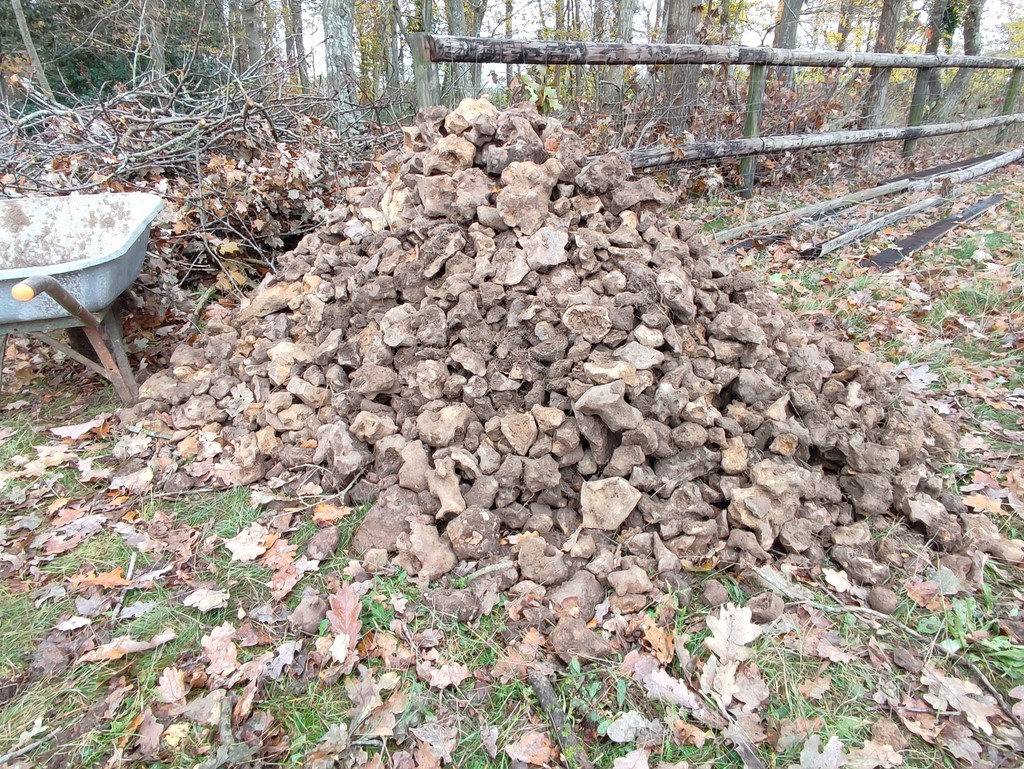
(752, 124)
(917, 105)
(1010, 102)
(424, 72)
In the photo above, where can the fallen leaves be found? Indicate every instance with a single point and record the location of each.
(948, 693)
(204, 599)
(125, 645)
(344, 622)
(249, 544)
(535, 748)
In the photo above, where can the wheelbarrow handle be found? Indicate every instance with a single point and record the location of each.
(30, 288)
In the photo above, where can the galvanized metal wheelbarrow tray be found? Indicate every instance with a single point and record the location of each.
(64, 262)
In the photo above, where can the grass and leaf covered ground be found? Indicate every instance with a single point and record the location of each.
(148, 628)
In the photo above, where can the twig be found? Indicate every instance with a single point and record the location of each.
(499, 566)
(573, 752)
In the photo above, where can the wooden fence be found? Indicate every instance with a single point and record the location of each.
(430, 50)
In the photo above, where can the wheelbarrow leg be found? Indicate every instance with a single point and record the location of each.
(101, 333)
(113, 324)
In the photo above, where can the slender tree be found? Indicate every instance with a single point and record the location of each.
(873, 104)
(682, 20)
(30, 48)
(339, 23)
(947, 107)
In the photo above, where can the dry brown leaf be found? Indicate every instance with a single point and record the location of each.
(731, 631)
(945, 692)
(124, 645)
(661, 643)
(171, 688)
(74, 432)
(829, 757)
(108, 580)
(205, 599)
(221, 651)
(284, 581)
(874, 755)
(149, 730)
(636, 759)
(447, 675)
(983, 503)
(815, 688)
(343, 619)
(325, 514)
(249, 544)
(279, 555)
(534, 748)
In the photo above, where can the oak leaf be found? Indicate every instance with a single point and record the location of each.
(636, 759)
(205, 599)
(124, 645)
(249, 544)
(947, 693)
(534, 748)
(731, 631)
(171, 688)
(829, 757)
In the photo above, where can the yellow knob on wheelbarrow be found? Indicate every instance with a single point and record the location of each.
(23, 292)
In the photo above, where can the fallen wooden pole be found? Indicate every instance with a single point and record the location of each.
(852, 236)
(971, 172)
(989, 163)
(657, 156)
(918, 240)
(815, 209)
(573, 753)
(444, 48)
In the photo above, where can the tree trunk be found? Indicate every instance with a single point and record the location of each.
(510, 71)
(475, 22)
(788, 24)
(846, 13)
(961, 82)
(785, 35)
(156, 33)
(251, 32)
(682, 18)
(459, 71)
(394, 53)
(612, 93)
(30, 48)
(339, 44)
(932, 40)
(873, 105)
(295, 47)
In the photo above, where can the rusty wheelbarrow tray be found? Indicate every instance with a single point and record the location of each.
(64, 261)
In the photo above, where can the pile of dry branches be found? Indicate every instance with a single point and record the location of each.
(245, 171)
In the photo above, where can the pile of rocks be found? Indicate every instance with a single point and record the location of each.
(500, 337)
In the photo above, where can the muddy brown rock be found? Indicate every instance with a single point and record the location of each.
(321, 546)
(308, 614)
(571, 639)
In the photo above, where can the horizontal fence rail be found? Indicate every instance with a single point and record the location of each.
(429, 51)
(444, 49)
(732, 148)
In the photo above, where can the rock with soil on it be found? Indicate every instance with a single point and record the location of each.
(607, 503)
(321, 546)
(766, 607)
(308, 614)
(571, 639)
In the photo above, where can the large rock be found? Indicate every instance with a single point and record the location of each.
(607, 503)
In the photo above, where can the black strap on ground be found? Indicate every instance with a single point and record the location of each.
(758, 241)
(883, 260)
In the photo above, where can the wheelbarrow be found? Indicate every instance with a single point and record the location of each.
(64, 262)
